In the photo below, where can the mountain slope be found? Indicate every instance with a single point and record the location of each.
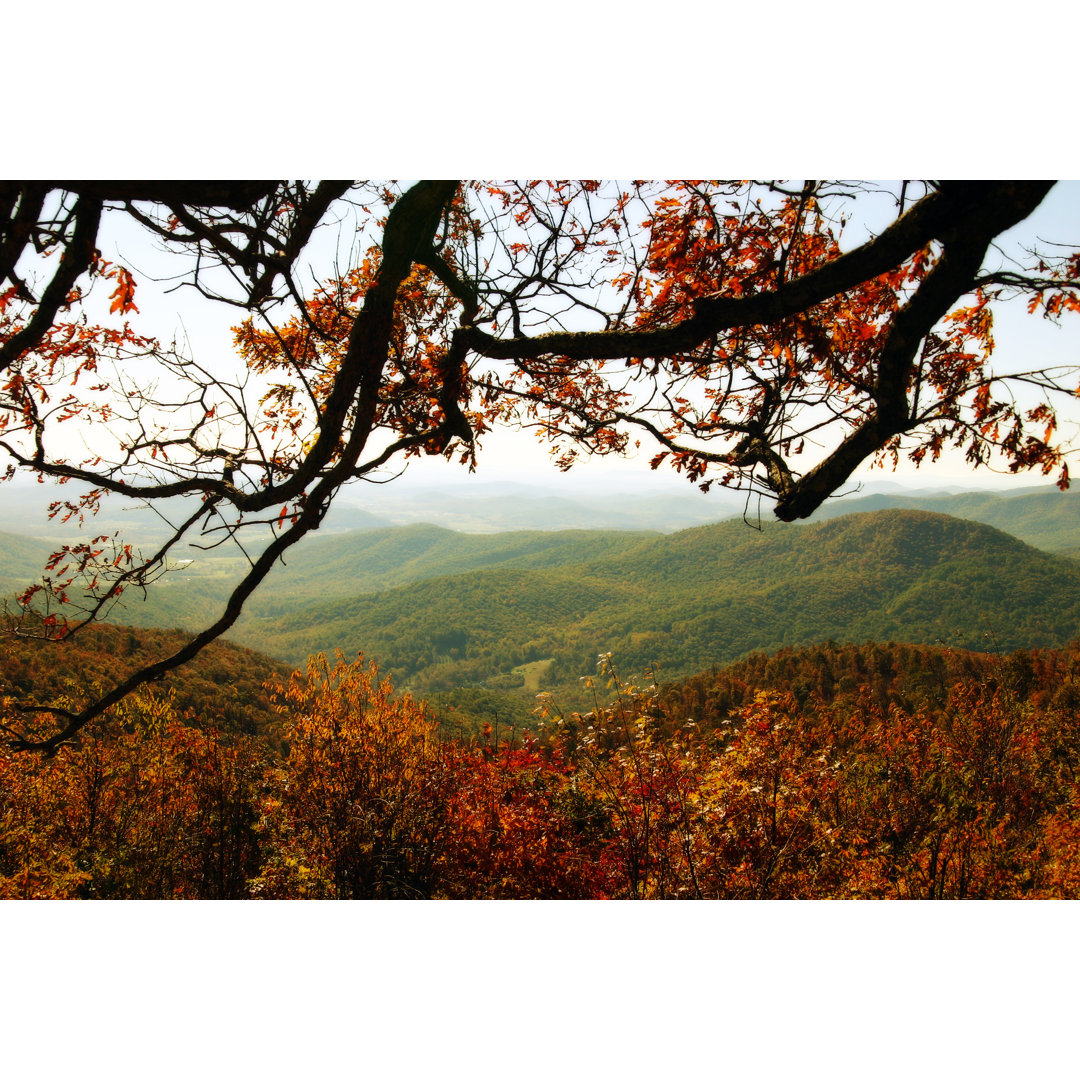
(440, 609)
(1043, 517)
(704, 596)
(371, 561)
(328, 568)
(223, 686)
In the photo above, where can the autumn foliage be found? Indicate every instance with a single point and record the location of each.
(145, 808)
(958, 785)
(357, 809)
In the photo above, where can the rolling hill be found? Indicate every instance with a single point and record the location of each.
(699, 597)
(1043, 517)
(441, 609)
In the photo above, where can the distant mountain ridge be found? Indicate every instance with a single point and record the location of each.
(480, 507)
(1040, 515)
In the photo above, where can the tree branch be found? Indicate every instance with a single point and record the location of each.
(940, 216)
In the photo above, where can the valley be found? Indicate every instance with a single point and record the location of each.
(878, 704)
(479, 623)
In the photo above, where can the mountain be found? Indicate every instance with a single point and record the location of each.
(363, 562)
(699, 597)
(444, 609)
(476, 506)
(328, 567)
(223, 686)
(1043, 517)
(24, 510)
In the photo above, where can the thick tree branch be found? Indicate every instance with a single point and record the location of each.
(76, 259)
(311, 213)
(950, 279)
(940, 216)
(236, 195)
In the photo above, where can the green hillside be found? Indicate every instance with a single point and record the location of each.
(1043, 517)
(699, 597)
(21, 561)
(337, 565)
(185, 598)
(507, 612)
(328, 568)
(363, 562)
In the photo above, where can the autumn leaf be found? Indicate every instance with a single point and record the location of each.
(123, 296)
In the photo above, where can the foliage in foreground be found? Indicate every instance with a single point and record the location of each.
(962, 784)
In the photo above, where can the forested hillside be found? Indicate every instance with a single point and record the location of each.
(1046, 518)
(484, 622)
(370, 559)
(698, 597)
(330, 567)
(364, 562)
(223, 688)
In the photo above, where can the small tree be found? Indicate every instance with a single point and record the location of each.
(356, 811)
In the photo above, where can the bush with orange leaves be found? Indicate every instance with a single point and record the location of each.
(142, 807)
(357, 810)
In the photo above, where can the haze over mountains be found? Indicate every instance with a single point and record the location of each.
(476, 505)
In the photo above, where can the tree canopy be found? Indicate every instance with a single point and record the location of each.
(743, 328)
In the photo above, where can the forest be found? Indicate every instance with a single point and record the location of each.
(694, 598)
(478, 624)
(832, 771)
